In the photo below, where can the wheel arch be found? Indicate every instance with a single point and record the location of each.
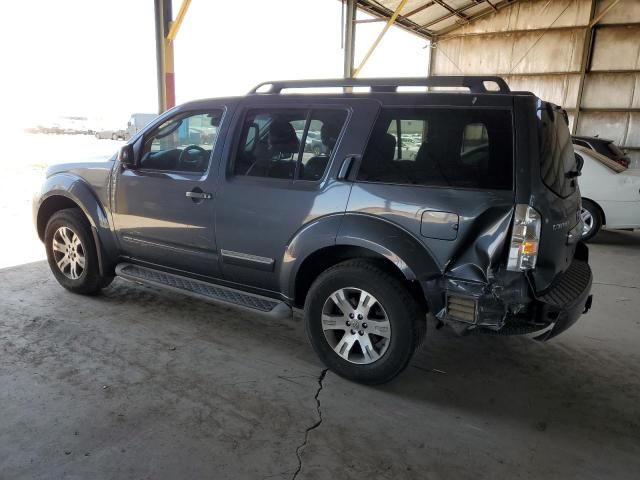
(603, 216)
(337, 238)
(67, 191)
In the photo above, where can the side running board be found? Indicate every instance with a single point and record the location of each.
(204, 290)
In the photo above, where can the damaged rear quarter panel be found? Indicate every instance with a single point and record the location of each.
(484, 221)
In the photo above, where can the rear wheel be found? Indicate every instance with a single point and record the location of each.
(591, 219)
(71, 252)
(362, 322)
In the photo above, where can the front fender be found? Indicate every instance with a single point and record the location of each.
(77, 190)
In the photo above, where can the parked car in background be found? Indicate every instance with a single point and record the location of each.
(111, 134)
(610, 193)
(137, 122)
(603, 147)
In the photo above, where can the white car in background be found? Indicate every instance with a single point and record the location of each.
(610, 194)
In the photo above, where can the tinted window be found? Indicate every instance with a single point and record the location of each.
(183, 143)
(469, 148)
(556, 151)
(288, 144)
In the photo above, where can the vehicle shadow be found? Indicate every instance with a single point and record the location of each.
(617, 238)
(568, 382)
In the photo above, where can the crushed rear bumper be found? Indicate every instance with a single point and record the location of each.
(568, 298)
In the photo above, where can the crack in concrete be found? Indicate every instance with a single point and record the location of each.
(615, 285)
(312, 427)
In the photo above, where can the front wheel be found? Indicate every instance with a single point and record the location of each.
(591, 218)
(71, 252)
(362, 322)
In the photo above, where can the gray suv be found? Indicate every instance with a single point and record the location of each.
(476, 222)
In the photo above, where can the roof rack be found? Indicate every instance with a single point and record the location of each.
(475, 84)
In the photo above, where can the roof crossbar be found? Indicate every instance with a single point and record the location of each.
(475, 83)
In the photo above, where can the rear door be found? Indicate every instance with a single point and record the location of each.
(276, 182)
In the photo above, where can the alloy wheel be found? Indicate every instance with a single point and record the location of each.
(356, 325)
(587, 221)
(68, 253)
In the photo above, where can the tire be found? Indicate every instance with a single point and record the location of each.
(317, 150)
(592, 219)
(391, 311)
(114, 136)
(80, 271)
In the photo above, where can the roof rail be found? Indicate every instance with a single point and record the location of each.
(475, 83)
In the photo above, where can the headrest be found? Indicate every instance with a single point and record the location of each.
(282, 136)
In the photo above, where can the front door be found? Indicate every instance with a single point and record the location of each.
(164, 209)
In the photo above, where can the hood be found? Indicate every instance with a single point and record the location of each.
(93, 163)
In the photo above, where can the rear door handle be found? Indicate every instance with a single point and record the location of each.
(347, 166)
(199, 195)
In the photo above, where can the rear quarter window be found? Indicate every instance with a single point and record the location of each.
(460, 147)
(556, 151)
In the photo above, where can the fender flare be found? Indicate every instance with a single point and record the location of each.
(385, 238)
(75, 189)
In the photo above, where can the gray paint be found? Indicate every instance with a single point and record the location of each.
(267, 228)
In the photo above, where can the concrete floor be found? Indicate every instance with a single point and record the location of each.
(138, 383)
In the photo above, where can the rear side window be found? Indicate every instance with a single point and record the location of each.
(556, 151)
(465, 148)
(294, 144)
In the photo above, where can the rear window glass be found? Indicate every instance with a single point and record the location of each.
(556, 151)
(466, 148)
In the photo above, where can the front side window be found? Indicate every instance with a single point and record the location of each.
(183, 143)
(466, 148)
(293, 144)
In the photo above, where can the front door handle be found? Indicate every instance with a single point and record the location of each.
(197, 194)
(200, 195)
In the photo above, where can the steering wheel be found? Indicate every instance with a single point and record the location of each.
(186, 160)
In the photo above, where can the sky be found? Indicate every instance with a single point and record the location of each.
(97, 58)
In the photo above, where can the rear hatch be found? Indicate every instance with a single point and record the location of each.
(558, 197)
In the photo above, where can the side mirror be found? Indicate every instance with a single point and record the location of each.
(126, 156)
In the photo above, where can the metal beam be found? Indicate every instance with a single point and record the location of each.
(160, 64)
(587, 48)
(603, 13)
(375, 9)
(175, 26)
(472, 18)
(169, 74)
(454, 11)
(382, 33)
(349, 38)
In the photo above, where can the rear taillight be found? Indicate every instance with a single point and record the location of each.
(525, 238)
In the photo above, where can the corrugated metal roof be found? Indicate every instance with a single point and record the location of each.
(431, 18)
